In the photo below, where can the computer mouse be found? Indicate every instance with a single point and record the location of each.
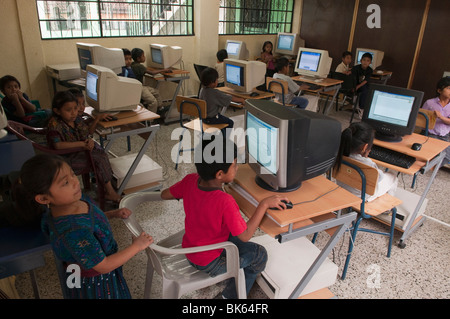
(110, 118)
(254, 94)
(416, 146)
(289, 205)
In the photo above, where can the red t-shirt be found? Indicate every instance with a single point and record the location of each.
(211, 215)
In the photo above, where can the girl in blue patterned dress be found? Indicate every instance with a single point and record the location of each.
(79, 231)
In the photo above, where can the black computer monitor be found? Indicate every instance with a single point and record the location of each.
(392, 111)
(286, 146)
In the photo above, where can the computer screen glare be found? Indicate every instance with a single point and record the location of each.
(285, 42)
(233, 48)
(91, 85)
(391, 108)
(309, 61)
(234, 74)
(262, 140)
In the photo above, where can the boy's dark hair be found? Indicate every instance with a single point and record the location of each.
(61, 98)
(443, 83)
(6, 79)
(126, 51)
(367, 55)
(136, 53)
(208, 76)
(346, 53)
(281, 63)
(222, 55)
(353, 139)
(211, 161)
(76, 92)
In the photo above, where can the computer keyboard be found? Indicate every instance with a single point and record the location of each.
(391, 157)
(312, 87)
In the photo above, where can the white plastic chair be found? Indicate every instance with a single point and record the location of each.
(168, 259)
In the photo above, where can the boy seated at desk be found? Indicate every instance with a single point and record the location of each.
(290, 96)
(150, 96)
(215, 99)
(220, 66)
(344, 66)
(212, 216)
(362, 73)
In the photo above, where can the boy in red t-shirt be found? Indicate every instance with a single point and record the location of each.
(212, 216)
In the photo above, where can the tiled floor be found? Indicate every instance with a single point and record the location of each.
(418, 271)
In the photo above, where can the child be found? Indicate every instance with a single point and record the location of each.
(150, 96)
(215, 99)
(18, 106)
(356, 143)
(344, 66)
(79, 231)
(441, 106)
(268, 59)
(67, 130)
(90, 120)
(289, 97)
(362, 73)
(221, 55)
(212, 216)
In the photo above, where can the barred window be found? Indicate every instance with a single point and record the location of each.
(255, 16)
(114, 18)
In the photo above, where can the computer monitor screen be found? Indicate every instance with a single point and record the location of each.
(286, 146)
(392, 111)
(377, 57)
(164, 56)
(237, 50)
(313, 63)
(89, 53)
(106, 91)
(244, 76)
(288, 43)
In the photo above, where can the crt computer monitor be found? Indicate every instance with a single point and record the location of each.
(377, 57)
(237, 50)
(392, 111)
(106, 91)
(164, 56)
(288, 43)
(89, 53)
(313, 63)
(286, 146)
(243, 76)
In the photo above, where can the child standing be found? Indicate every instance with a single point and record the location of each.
(221, 55)
(215, 99)
(17, 105)
(362, 73)
(268, 58)
(290, 97)
(344, 66)
(356, 143)
(79, 231)
(150, 96)
(67, 130)
(212, 216)
(441, 106)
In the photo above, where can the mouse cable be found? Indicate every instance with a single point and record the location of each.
(320, 196)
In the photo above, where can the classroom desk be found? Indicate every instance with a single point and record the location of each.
(326, 85)
(176, 76)
(129, 123)
(261, 96)
(381, 76)
(431, 154)
(304, 219)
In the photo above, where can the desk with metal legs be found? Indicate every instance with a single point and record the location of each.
(315, 214)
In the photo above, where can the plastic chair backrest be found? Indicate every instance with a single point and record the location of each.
(426, 120)
(277, 86)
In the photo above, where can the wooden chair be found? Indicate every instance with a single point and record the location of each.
(195, 108)
(19, 130)
(365, 178)
(280, 87)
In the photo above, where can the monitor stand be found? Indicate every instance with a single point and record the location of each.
(266, 186)
(392, 138)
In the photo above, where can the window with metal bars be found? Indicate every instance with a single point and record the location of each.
(255, 16)
(114, 18)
